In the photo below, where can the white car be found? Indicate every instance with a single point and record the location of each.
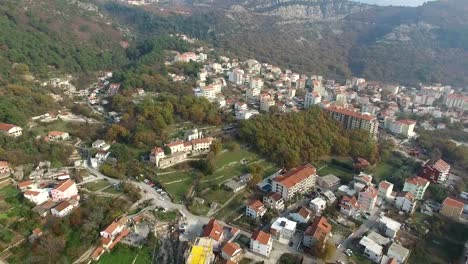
(349, 252)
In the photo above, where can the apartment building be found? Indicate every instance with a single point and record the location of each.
(367, 198)
(353, 120)
(417, 186)
(295, 181)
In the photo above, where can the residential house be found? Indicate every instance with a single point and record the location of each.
(417, 186)
(11, 130)
(201, 252)
(37, 196)
(367, 198)
(296, 181)
(102, 155)
(176, 146)
(435, 171)
(389, 226)
(301, 215)
(318, 204)
(57, 135)
(232, 252)
(114, 228)
(349, 206)
(398, 252)
(372, 250)
(385, 190)
(261, 243)
(317, 233)
(25, 185)
(156, 154)
(255, 209)
(404, 127)
(63, 209)
(452, 208)
(274, 201)
(329, 181)
(214, 230)
(100, 144)
(64, 190)
(329, 196)
(266, 101)
(361, 181)
(36, 233)
(201, 144)
(4, 167)
(406, 202)
(378, 238)
(283, 230)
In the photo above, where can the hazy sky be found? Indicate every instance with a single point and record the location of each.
(394, 2)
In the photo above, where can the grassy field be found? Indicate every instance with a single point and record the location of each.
(198, 209)
(232, 209)
(123, 255)
(97, 185)
(344, 174)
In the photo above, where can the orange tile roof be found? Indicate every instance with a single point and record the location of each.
(256, 205)
(123, 234)
(230, 248)
(97, 253)
(37, 231)
(4, 163)
(55, 133)
(213, 230)
(304, 212)
(114, 225)
(175, 143)
(261, 237)
(296, 175)
(47, 205)
(352, 201)
(384, 184)
(202, 140)
(6, 127)
(32, 193)
(407, 195)
(441, 165)
(392, 261)
(106, 241)
(24, 184)
(62, 206)
(319, 229)
(275, 196)
(157, 150)
(348, 112)
(419, 181)
(65, 185)
(450, 202)
(371, 191)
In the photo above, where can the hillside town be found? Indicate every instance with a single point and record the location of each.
(311, 213)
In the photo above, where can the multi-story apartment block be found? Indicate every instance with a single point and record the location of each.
(298, 180)
(311, 99)
(404, 127)
(367, 198)
(436, 171)
(417, 186)
(266, 101)
(353, 120)
(237, 76)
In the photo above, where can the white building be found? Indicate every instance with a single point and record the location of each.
(295, 181)
(406, 202)
(389, 226)
(252, 93)
(283, 230)
(261, 243)
(349, 206)
(266, 101)
(312, 98)
(37, 196)
(372, 250)
(63, 209)
(274, 201)
(256, 84)
(301, 215)
(318, 204)
(11, 130)
(385, 190)
(237, 77)
(404, 127)
(255, 209)
(246, 114)
(367, 198)
(398, 252)
(100, 144)
(176, 146)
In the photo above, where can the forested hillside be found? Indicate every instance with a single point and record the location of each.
(294, 138)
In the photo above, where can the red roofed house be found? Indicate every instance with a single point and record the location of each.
(274, 201)
(201, 144)
(176, 146)
(4, 167)
(214, 230)
(11, 130)
(349, 206)
(64, 190)
(24, 185)
(301, 215)
(97, 253)
(295, 181)
(317, 233)
(57, 135)
(232, 252)
(367, 198)
(452, 208)
(63, 209)
(261, 243)
(36, 196)
(114, 228)
(255, 209)
(385, 189)
(435, 171)
(156, 154)
(406, 202)
(417, 186)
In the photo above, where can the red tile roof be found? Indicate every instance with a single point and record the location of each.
(114, 225)
(97, 253)
(56, 133)
(384, 184)
(230, 248)
(261, 237)
(441, 165)
(4, 164)
(407, 195)
(157, 150)
(450, 202)
(319, 229)
(296, 175)
(6, 127)
(304, 212)
(213, 230)
(417, 181)
(371, 191)
(348, 112)
(65, 185)
(37, 231)
(256, 205)
(175, 143)
(62, 206)
(352, 201)
(275, 196)
(32, 193)
(24, 184)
